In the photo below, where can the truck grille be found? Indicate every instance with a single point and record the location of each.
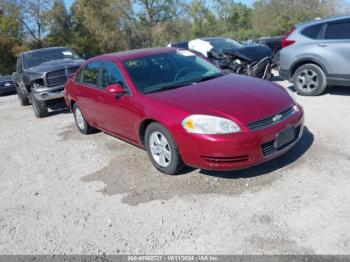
(269, 121)
(59, 77)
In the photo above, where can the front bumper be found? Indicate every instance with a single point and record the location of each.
(46, 94)
(235, 151)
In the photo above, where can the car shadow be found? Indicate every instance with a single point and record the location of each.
(8, 94)
(58, 107)
(338, 90)
(284, 160)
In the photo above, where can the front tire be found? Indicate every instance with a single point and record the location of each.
(39, 107)
(23, 99)
(309, 80)
(162, 149)
(81, 122)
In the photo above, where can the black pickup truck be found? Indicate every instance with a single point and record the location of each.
(41, 74)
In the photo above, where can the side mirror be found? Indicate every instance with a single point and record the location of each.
(116, 89)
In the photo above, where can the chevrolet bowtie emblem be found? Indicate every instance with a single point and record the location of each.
(276, 118)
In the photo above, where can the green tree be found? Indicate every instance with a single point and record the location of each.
(11, 35)
(99, 25)
(204, 22)
(154, 17)
(276, 17)
(59, 25)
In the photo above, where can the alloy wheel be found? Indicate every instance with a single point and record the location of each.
(160, 149)
(308, 80)
(80, 119)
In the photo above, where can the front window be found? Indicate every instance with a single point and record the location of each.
(111, 75)
(170, 70)
(337, 31)
(38, 57)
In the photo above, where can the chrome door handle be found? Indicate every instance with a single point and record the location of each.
(322, 45)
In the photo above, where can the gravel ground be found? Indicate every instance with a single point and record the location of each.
(65, 193)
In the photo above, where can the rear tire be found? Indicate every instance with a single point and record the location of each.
(23, 99)
(309, 80)
(162, 149)
(39, 107)
(81, 122)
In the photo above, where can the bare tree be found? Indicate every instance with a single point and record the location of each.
(34, 17)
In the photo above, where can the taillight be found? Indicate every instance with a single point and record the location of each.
(287, 42)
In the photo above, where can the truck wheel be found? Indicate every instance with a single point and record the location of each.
(309, 80)
(39, 107)
(23, 99)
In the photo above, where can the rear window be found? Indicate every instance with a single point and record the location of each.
(312, 31)
(338, 31)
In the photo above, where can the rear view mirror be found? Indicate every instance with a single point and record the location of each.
(116, 89)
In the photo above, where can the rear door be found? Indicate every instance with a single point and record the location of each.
(87, 90)
(335, 48)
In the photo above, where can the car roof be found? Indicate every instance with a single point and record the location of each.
(136, 53)
(323, 20)
(44, 49)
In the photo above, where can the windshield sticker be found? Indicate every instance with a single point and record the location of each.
(185, 53)
(67, 53)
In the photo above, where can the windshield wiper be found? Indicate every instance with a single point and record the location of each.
(164, 88)
(206, 78)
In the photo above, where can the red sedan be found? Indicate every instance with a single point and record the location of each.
(184, 110)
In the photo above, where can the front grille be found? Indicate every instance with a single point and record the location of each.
(269, 121)
(235, 159)
(269, 149)
(59, 77)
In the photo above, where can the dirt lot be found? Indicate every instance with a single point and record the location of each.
(62, 192)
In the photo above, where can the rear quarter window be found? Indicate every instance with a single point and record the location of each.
(312, 31)
(90, 74)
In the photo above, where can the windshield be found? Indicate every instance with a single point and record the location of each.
(224, 43)
(170, 70)
(38, 57)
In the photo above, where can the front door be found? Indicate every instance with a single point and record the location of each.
(116, 114)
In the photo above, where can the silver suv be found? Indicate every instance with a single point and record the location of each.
(315, 55)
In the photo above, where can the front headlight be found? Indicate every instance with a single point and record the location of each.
(205, 124)
(38, 83)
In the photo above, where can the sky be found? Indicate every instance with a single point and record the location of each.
(248, 2)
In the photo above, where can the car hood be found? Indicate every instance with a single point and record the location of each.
(54, 65)
(242, 98)
(250, 52)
